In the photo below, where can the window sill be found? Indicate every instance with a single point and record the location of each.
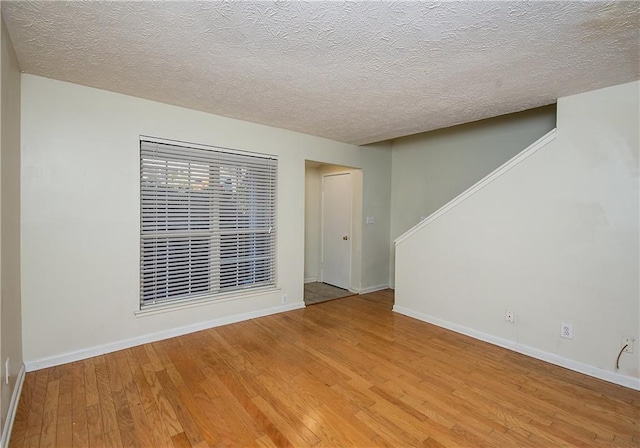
(159, 308)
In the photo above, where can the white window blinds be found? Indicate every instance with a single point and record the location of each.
(207, 221)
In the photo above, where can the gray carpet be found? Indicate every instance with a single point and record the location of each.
(317, 292)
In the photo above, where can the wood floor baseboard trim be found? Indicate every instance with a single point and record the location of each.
(596, 372)
(13, 407)
(90, 352)
(373, 289)
(311, 280)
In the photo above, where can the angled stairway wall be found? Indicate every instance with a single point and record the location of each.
(430, 169)
(552, 236)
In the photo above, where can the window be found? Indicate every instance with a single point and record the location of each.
(207, 221)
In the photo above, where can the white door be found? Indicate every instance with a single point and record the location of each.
(336, 230)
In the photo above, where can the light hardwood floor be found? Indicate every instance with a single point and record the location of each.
(344, 373)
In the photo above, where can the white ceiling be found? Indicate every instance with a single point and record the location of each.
(356, 72)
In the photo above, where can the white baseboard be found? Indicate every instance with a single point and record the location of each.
(311, 280)
(373, 289)
(596, 372)
(13, 408)
(90, 352)
(368, 289)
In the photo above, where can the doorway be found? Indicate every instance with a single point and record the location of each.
(333, 208)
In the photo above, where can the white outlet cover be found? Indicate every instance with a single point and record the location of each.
(628, 342)
(566, 330)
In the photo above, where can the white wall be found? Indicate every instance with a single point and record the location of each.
(554, 239)
(312, 200)
(80, 214)
(10, 314)
(432, 168)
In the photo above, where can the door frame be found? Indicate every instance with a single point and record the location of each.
(322, 201)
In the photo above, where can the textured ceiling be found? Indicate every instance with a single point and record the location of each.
(356, 72)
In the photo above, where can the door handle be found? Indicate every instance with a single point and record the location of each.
(345, 237)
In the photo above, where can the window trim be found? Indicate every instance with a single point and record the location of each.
(176, 305)
(240, 152)
(207, 297)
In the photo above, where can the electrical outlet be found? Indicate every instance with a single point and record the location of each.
(285, 299)
(627, 342)
(566, 330)
(510, 317)
(6, 371)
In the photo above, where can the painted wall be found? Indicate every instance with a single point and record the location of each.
(376, 251)
(555, 239)
(430, 169)
(80, 214)
(10, 307)
(312, 201)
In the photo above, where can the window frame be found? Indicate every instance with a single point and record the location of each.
(256, 259)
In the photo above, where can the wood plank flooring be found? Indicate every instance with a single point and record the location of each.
(349, 372)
